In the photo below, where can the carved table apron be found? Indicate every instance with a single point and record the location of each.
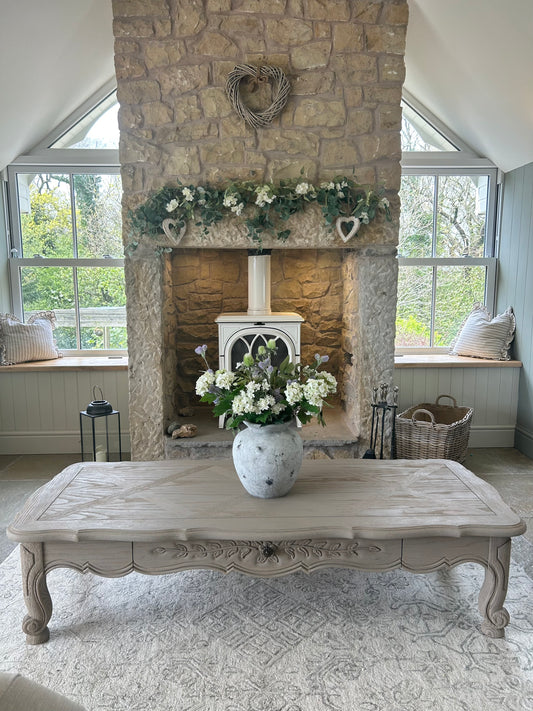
(163, 517)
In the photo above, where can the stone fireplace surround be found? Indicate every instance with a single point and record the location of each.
(344, 61)
(163, 331)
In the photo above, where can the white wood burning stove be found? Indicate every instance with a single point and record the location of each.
(241, 333)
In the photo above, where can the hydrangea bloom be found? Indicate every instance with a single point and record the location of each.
(224, 379)
(204, 382)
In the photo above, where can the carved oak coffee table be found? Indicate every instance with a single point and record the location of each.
(162, 517)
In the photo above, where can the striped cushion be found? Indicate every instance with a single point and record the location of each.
(21, 342)
(482, 337)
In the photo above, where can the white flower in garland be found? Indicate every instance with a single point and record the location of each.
(264, 195)
(302, 189)
(172, 205)
(237, 209)
(208, 205)
(230, 200)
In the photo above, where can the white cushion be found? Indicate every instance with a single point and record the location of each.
(34, 340)
(483, 337)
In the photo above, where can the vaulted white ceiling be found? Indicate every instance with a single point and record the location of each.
(468, 61)
(54, 54)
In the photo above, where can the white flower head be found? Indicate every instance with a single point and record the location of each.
(204, 382)
(224, 379)
(264, 195)
(293, 393)
(188, 194)
(364, 218)
(172, 205)
(384, 202)
(328, 185)
(302, 189)
(237, 209)
(243, 404)
(229, 200)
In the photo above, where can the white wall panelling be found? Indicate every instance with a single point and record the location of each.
(492, 392)
(515, 287)
(39, 411)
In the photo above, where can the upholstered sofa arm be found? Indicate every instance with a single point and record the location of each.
(20, 694)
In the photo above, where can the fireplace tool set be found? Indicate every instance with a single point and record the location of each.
(383, 414)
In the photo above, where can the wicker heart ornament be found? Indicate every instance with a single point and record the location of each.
(280, 92)
(354, 221)
(168, 226)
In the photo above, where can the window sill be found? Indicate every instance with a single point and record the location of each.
(69, 363)
(443, 360)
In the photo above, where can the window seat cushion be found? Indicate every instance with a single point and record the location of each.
(444, 360)
(70, 363)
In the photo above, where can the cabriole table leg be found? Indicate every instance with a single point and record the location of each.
(36, 595)
(494, 589)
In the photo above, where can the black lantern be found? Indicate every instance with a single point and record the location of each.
(100, 431)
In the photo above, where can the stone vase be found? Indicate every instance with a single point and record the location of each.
(267, 458)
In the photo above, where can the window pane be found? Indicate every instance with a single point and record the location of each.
(413, 318)
(419, 135)
(416, 217)
(45, 215)
(458, 289)
(98, 215)
(461, 207)
(51, 289)
(98, 129)
(102, 300)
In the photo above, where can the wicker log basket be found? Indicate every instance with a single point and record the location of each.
(433, 431)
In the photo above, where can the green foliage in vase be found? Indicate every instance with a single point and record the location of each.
(266, 394)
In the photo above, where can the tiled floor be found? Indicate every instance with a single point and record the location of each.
(509, 471)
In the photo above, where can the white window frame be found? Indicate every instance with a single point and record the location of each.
(461, 162)
(89, 162)
(45, 159)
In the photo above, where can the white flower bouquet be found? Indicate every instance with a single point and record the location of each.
(262, 393)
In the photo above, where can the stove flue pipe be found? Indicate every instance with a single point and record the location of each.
(259, 282)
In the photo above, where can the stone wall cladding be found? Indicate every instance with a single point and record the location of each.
(344, 59)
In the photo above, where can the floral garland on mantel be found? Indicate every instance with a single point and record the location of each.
(262, 207)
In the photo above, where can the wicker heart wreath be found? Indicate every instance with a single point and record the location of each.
(281, 90)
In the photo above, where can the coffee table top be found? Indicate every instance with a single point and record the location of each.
(203, 499)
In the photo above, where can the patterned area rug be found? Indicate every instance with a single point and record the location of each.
(335, 640)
